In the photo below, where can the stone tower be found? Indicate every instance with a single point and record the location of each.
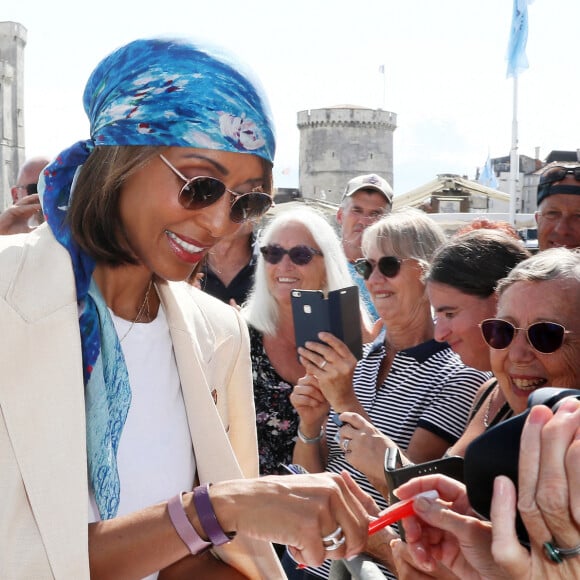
(339, 143)
(12, 43)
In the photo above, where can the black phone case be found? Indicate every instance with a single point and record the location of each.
(338, 314)
(451, 466)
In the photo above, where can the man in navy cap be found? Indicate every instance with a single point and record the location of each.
(558, 215)
(366, 199)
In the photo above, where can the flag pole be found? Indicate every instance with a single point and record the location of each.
(517, 61)
(514, 156)
(382, 72)
(384, 88)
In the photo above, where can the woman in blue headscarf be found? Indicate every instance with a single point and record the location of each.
(122, 384)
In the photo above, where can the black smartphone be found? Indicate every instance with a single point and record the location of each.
(339, 314)
(396, 475)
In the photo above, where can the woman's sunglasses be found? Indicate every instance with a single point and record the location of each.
(389, 266)
(200, 192)
(545, 337)
(300, 255)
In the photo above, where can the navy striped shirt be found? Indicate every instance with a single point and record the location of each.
(427, 386)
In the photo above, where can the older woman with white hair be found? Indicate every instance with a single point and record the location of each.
(298, 249)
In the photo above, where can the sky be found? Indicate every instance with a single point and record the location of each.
(444, 61)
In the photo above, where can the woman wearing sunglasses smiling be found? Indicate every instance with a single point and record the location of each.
(298, 250)
(534, 338)
(123, 387)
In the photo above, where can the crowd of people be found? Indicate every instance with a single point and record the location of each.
(168, 425)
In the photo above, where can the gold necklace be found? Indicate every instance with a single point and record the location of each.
(488, 409)
(145, 304)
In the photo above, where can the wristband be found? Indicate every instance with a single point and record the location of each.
(310, 440)
(207, 517)
(194, 542)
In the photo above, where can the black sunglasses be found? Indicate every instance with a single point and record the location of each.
(554, 174)
(389, 266)
(300, 255)
(545, 337)
(200, 192)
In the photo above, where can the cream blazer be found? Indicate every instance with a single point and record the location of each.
(43, 463)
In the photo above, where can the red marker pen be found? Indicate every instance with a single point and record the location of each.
(398, 511)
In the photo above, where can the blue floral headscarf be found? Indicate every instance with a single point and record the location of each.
(154, 92)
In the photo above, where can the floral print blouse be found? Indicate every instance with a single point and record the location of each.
(276, 418)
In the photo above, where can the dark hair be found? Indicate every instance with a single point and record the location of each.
(94, 216)
(474, 262)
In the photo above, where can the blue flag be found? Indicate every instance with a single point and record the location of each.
(487, 176)
(516, 57)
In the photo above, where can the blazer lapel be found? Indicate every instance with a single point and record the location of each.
(213, 454)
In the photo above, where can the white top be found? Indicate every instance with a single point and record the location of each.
(155, 456)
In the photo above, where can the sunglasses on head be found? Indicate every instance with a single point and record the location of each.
(300, 255)
(545, 337)
(554, 174)
(200, 192)
(389, 266)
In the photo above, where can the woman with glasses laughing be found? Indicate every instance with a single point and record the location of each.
(534, 338)
(408, 391)
(126, 393)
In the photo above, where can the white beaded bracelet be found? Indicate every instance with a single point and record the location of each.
(310, 440)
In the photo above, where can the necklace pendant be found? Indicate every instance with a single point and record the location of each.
(144, 305)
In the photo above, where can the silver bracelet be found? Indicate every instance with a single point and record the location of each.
(310, 440)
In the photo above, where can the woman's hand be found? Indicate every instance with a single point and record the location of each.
(297, 510)
(366, 447)
(332, 363)
(14, 219)
(407, 569)
(447, 532)
(548, 496)
(310, 404)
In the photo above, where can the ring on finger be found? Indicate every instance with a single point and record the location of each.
(557, 554)
(322, 364)
(334, 540)
(345, 444)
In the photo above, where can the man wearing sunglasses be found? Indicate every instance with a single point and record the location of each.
(366, 199)
(26, 212)
(558, 215)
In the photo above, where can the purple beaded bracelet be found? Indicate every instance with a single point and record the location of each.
(183, 527)
(207, 517)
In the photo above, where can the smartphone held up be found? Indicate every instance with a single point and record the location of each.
(337, 313)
